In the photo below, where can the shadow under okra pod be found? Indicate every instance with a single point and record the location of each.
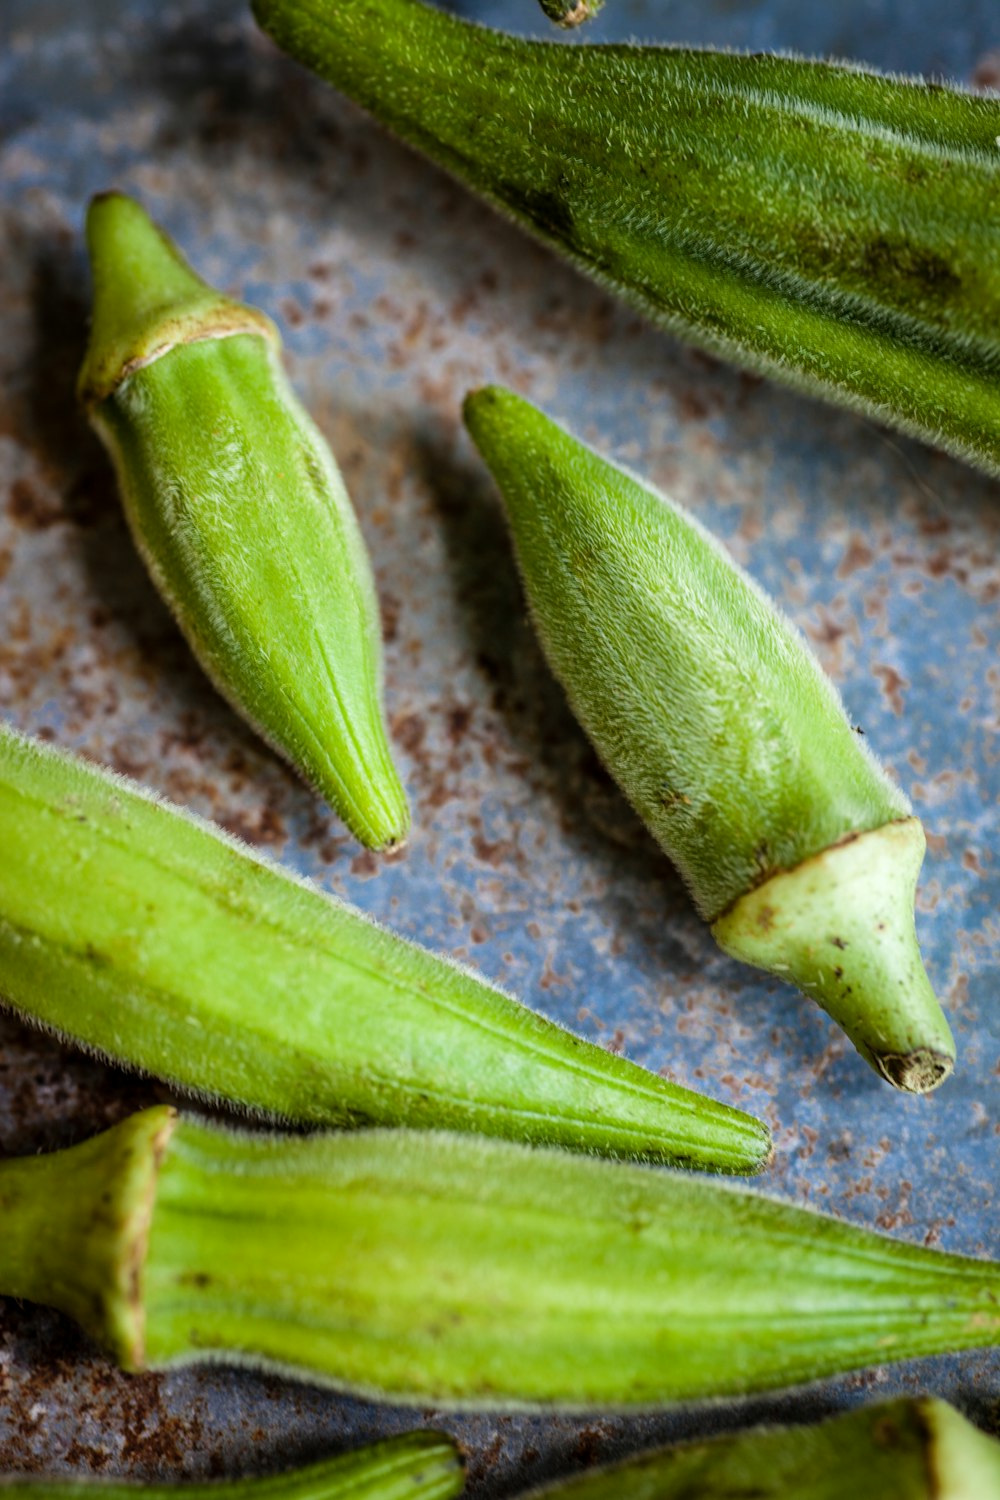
(717, 722)
(239, 511)
(459, 1270)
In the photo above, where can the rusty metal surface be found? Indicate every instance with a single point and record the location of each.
(395, 293)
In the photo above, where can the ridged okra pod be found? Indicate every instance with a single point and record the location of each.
(239, 511)
(916, 1448)
(158, 942)
(417, 1466)
(717, 722)
(463, 1271)
(813, 221)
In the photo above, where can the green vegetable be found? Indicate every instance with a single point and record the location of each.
(910, 1449)
(156, 941)
(241, 516)
(716, 721)
(570, 13)
(815, 222)
(418, 1466)
(453, 1269)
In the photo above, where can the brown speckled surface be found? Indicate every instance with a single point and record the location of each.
(395, 293)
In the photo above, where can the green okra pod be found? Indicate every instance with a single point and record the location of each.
(459, 1270)
(915, 1448)
(162, 944)
(813, 221)
(417, 1466)
(240, 514)
(717, 722)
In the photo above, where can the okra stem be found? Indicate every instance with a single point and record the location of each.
(416, 1466)
(813, 221)
(164, 945)
(477, 1273)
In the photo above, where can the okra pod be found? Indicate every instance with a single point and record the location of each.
(238, 509)
(812, 221)
(916, 1448)
(463, 1271)
(160, 943)
(727, 738)
(417, 1466)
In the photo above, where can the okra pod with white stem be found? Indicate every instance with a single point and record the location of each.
(717, 722)
(239, 511)
(417, 1466)
(813, 221)
(156, 941)
(915, 1448)
(463, 1271)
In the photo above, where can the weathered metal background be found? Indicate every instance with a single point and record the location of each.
(396, 292)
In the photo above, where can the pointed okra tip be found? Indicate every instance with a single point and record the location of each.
(147, 299)
(841, 926)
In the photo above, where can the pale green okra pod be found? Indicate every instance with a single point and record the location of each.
(910, 1449)
(718, 724)
(417, 1466)
(814, 221)
(162, 944)
(239, 511)
(454, 1269)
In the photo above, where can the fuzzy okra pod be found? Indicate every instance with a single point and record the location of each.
(813, 221)
(911, 1449)
(240, 514)
(459, 1270)
(727, 738)
(153, 939)
(417, 1466)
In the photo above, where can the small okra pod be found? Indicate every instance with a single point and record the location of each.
(240, 514)
(463, 1271)
(915, 1448)
(813, 221)
(164, 945)
(727, 738)
(417, 1466)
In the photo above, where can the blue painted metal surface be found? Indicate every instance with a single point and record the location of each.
(395, 293)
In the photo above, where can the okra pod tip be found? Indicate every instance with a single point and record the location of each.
(715, 719)
(240, 514)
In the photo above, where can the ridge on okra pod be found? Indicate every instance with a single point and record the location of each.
(813, 221)
(716, 720)
(238, 509)
(158, 942)
(457, 1270)
(913, 1448)
(417, 1466)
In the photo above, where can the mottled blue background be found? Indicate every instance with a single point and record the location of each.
(396, 292)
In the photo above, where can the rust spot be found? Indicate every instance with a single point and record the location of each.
(765, 918)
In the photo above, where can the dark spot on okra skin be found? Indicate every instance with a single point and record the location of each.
(545, 207)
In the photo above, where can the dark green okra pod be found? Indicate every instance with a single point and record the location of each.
(910, 1449)
(813, 221)
(156, 941)
(418, 1466)
(240, 514)
(459, 1270)
(717, 722)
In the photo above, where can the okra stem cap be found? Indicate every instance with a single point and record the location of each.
(841, 927)
(147, 300)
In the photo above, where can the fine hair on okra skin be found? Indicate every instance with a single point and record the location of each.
(913, 1448)
(240, 514)
(474, 1273)
(813, 221)
(417, 1466)
(151, 938)
(719, 725)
